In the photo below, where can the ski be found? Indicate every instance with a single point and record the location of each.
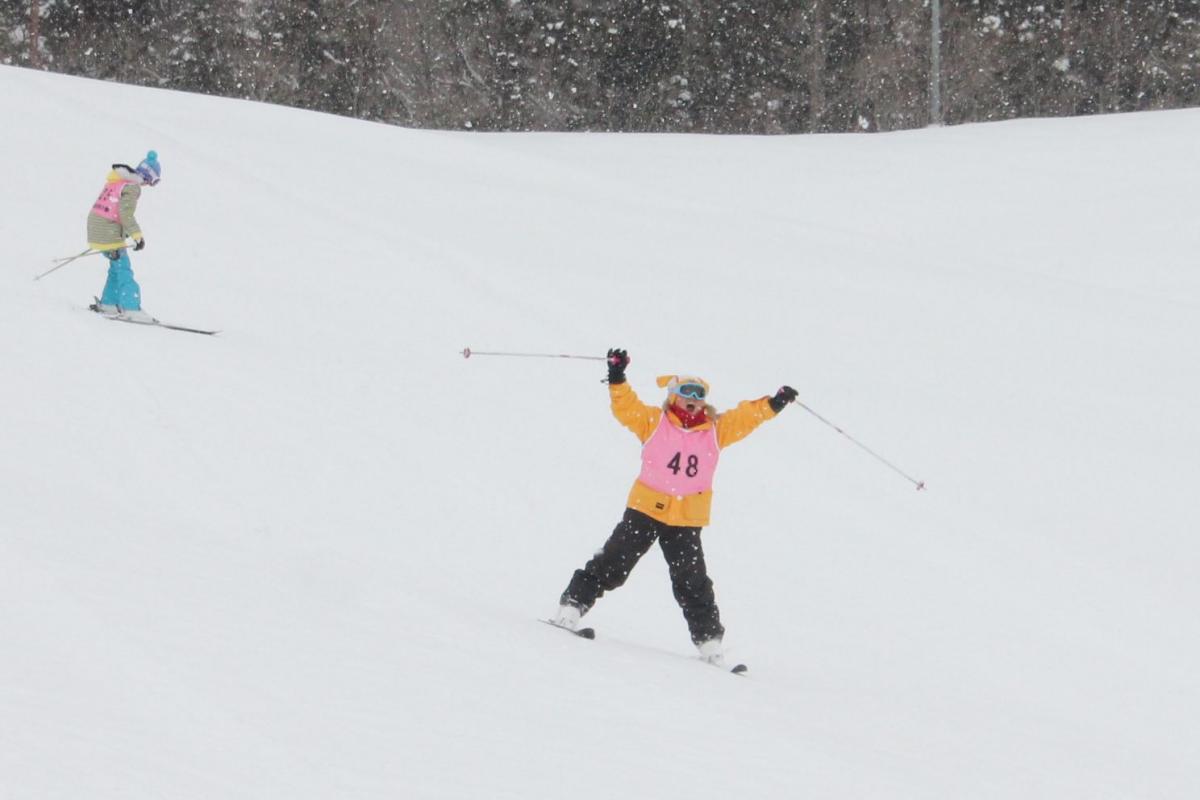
(583, 633)
(152, 322)
(590, 633)
(168, 326)
(736, 669)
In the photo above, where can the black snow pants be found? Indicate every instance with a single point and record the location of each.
(681, 547)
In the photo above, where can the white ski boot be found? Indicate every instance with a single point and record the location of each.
(106, 309)
(568, 617)
(712, 652)
(136, 315)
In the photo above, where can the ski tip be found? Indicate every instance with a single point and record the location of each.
(583, 633)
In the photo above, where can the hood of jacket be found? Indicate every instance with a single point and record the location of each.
(123, 172)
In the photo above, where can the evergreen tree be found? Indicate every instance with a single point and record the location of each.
(721, 66)
(197, 42)
(14, 32)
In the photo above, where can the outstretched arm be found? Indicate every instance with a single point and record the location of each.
(626, 407)
(740, 422)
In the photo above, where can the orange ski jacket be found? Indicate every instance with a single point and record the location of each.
(688, 511)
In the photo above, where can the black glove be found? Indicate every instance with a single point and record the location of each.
(617, 361)
(140, 243)
(785, 395)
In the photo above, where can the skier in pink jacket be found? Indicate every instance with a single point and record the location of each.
(110, 222)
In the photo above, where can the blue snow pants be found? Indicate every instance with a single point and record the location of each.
(121, 289)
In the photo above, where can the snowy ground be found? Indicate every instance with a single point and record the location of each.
(305, 558)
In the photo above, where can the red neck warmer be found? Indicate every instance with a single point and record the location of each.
(689, 420)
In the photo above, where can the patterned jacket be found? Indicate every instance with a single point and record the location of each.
(107, 234)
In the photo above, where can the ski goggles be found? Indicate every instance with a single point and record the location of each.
(695, 391)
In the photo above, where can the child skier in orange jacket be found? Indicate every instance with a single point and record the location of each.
(670, 500)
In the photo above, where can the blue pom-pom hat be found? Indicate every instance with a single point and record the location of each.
(150, 170)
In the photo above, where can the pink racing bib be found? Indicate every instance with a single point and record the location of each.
(108, 204)
(679, 462)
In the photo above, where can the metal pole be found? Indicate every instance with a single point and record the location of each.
(468, 352)
(919, 484)
(59, 263)
(935, 63)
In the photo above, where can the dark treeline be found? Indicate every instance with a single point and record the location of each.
(721, 66)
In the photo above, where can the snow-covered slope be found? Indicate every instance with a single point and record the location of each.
(305, 559)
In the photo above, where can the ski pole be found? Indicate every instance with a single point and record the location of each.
(468, 352)
(59, 263)
(919, 484)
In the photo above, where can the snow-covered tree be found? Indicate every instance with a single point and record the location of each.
(762, 66)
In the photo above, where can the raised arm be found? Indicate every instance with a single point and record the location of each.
(738, 423)
(626, 407)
